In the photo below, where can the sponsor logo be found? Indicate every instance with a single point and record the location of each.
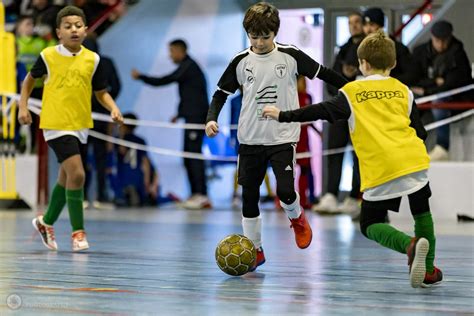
(366, 95)
(250, 75)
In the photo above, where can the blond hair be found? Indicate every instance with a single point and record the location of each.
(378, 50)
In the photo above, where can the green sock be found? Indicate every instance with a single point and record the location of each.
(424, 228)
(74, 200)
(56, 204)
(389, 237)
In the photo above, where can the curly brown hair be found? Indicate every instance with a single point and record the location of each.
(68, 11)
(261, 18)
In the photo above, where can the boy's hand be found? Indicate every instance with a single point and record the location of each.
(116, 116)
(212, 128)
(24, 116)
(271, 111)
(418, 90)
(135, 74)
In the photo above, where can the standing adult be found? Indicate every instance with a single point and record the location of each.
(193, 106)
(347, 64)
(405, 68)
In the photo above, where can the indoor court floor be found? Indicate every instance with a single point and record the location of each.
(161, 262)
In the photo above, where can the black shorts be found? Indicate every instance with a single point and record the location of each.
(67, 146)
(418, 202)
(373, 212)
(254, 160)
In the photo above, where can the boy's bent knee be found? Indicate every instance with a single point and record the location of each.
(287, 196)
(77, 178)
(371, 213)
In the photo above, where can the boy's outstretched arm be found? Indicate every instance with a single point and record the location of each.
(24, 115)
(308, 67)
(332, 110)
(107, 102)
(332, 77)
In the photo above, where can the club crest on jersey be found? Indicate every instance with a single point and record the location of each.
(281, 70)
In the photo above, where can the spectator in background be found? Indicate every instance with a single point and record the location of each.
(44, 14)
(29, 46)
(444, 65)
(405, 69)
(20, 138)
(347, 64)
(136, 181)
(101, 147)
(306, 174)
(193, 106)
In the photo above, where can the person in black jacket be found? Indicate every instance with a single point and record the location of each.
(347, 64)
(193, 106)
(374, 20)
(101, 147)
(444, 65)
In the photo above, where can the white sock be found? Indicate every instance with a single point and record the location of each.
(253, 230)
(292, 210)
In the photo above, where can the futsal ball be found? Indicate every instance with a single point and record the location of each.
(236, 254)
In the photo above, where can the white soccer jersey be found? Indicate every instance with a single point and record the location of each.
(267, 79)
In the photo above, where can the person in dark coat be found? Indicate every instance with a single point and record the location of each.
(444, 65)
(193, 106)
(374, 19)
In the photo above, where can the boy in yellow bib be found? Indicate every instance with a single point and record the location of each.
(387, 136)
(71, 72)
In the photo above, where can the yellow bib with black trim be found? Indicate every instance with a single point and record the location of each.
(67, 90)
(386, 145)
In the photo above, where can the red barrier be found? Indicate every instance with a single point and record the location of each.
(447, 105)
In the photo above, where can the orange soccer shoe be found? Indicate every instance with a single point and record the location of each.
(303, 232)
(260, 259)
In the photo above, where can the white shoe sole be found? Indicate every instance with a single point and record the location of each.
(42, 240)
(418, 266)
(80, 249)
(427, 286)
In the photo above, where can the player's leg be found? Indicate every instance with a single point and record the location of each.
(372, 226)
(424, 227)
(44, 223)
(57, 200)
(75, 175)
(251, 171)
(282, 159)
